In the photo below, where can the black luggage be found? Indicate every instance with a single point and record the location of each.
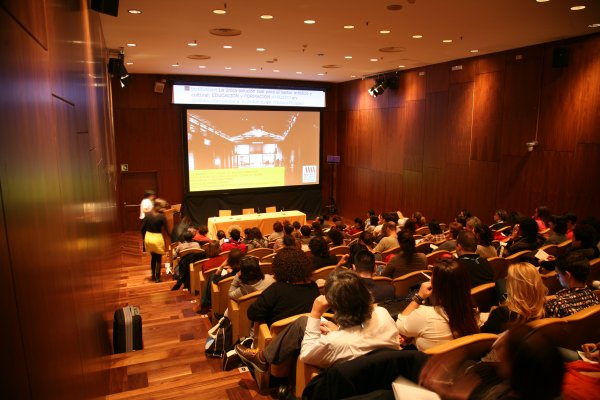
(127, 330)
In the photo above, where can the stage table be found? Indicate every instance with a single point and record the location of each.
(263, 221)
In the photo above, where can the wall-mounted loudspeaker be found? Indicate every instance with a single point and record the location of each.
(159, 86)
(114, 66)
(560, 57)
(110, 7)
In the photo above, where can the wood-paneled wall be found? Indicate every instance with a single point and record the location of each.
(57, 193)
(447, 140)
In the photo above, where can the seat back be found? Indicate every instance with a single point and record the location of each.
(423, 231)
(484, 296)
(402, 284)
(271, 209)
(551, 281)
(196, 277)
(499, 266)
(504, 230)
(563, 247)
(583, 327)
(594, 271)
(386, 253)
(423, 247)
(515, 258)
(554, 329)
(220, 295)
(238, 314)
(266, 267)
(339, 250)
(322, 273)
(471, 346)
(260, 252)
(269, 257)
(435, 256)
(551, 249)
(224, 213)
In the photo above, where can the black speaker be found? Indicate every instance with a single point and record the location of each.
(114, 66)
(560, 57)
(110, 7)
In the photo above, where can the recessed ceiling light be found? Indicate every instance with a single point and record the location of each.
(260, 49)
(348, 26)
(227, 67)
(310, 21)
(384, 31)
(348, 57)
(134, 11)
(417, 36)
(474, 51)
(447, 41)
(227, 47)
(131, 44)
(594, 26)
(275, 70)
(299, 72)
(266, 16)
(320, 74)
(542, 1)
(175, 65)
(373, 59)
(252, 69)
(193, 44)
(219, 11)
(129, 63)
(577, 8)
(201, 66)
(352, 76)
(401, 66)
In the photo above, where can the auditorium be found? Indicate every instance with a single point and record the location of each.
(384, 199)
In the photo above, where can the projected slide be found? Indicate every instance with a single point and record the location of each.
(242, 149)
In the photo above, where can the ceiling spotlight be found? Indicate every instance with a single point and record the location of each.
(260, 49)
(385, 31)
(266, 16)
(310, 21)
(348, 26)
(134, 11)
(381, 84)
(219, 12)
(193, 44)
(131, 44)
(577, 8)
(116, 67)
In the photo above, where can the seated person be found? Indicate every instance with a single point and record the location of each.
(201, 233)
(390, 240)
(525, 298)
(500, 217)
(229, 267)
(478, 268)
(406, 260)
(188, 243)
(288, 229)
(450, 314)
(305, 231)
(450, 245)
(524, 237)
(296, 234)
(249, 278)
(358, 226)
(213, 251)
(485, 236)
(558, 230)
(472, 224)
(277, 231)
(572, 272)
(435, 233)
(359, 329)
(584, 242)
(320, 253)
(336, 237)
(292, 293)
(234, 242)
(257, 240)
(364, 265)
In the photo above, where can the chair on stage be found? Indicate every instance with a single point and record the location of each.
(247, 211)
(271, 209)
(224, 213)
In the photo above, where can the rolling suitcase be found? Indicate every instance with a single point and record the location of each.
(127, 330)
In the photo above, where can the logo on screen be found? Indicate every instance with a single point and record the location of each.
(309, 174)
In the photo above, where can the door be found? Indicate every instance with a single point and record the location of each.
(133, 186)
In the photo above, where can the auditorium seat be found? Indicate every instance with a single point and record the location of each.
(563, 247)
(594, 271)
(499, 266)
(260, 252)
(436, 256)
(402, 284)
(484, 296)
(551, 281)
(238, 314)
(219, 295)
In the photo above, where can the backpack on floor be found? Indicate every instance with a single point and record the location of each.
(218, 341)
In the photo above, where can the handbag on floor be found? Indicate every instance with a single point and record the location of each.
(218, 341)
(127, 330)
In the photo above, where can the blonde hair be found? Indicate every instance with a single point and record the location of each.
(525, 292)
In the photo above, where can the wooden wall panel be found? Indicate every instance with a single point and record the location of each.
(463, 144)
(55, 184)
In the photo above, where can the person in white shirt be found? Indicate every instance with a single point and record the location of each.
(450, 314)
(147, 203)
(359, 329)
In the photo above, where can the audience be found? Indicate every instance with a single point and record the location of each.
(478, 268)
(249, 279)
(525, 297)
(450, 314)
(336, 237)
(201, 235)
(572, 271)
(277, 231)
(419, 219)
(234, 242)
(450, 245)
(406, 260)
(389, 241)
(583, 242)
(292, 293)
(571, 222)
(228, 268)
(187, 243)
(541, 216)
(435, 233)
(558, 230)
(359, 329)
(500, 217)
(524, 237)
(485, 236)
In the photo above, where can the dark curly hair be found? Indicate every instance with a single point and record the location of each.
(336, 236)
(318, 247)
(277, 226)
(250, 271)
(292, 265)
(348, 296)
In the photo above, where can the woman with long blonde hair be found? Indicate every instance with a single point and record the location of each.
(524, 302)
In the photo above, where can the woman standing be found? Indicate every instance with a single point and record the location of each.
(153, 227)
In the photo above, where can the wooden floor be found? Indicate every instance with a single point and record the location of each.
(172, 364)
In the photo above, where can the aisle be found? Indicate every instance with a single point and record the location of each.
(172, 364)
